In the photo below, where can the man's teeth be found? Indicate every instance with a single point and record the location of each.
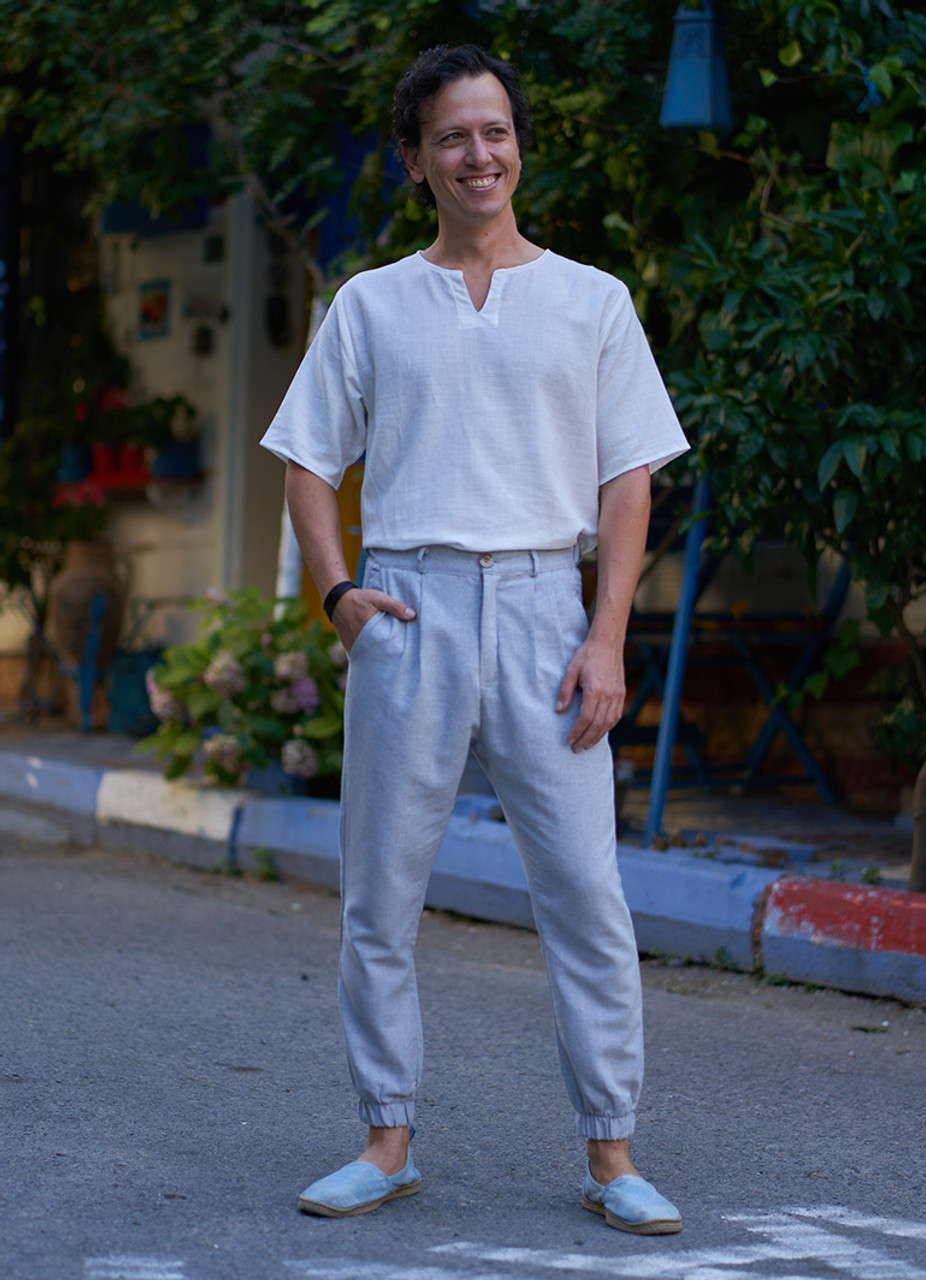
(481, 182)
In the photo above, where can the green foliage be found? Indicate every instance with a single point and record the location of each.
(254, 686)
(36, 525)
(902, 734)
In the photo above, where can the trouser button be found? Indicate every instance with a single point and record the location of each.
(487, 560)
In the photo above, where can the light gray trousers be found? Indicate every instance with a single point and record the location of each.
(480, 667)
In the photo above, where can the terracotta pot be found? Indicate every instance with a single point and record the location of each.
(89, 570)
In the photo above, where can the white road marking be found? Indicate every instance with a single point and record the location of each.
(812, 1240)
(862, 1221)
(788, 1238)
(337, 1269)
(132, 1267)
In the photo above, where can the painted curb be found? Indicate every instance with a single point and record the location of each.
(694, 907)
(681, 904)
(860, 939)
(477, 871)
(180, 820)
(71, 788)
(299, 836)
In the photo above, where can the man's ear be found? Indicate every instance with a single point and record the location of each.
(410, 156)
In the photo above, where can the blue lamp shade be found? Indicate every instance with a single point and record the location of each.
(697, 95)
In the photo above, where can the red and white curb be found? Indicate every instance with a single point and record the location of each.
(857, 938)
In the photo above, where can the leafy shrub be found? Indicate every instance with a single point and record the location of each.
(255, 685)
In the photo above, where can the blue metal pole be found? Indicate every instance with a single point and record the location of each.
(678, 652)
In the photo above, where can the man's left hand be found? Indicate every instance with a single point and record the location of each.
(597, 672)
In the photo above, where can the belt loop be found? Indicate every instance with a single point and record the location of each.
(422, 556)
(533, 556)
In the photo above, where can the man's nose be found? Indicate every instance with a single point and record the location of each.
(479, 152)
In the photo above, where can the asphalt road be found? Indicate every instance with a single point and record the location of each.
(172, 1075)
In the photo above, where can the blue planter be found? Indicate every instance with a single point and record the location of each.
(74, 463)
(274, 781)
(178, 460)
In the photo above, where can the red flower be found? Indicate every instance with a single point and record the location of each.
(82, 493)
(112, 397)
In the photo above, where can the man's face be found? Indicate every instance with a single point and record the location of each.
(468, 152)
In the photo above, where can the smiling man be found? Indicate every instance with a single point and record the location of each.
(510, 413)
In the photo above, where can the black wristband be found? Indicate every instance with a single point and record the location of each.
(334, 595)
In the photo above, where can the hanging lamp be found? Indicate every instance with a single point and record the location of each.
(697, 95)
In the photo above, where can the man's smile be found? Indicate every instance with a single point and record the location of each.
(481, 184)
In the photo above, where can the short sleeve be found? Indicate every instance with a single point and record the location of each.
(321, 423)
(636, 423)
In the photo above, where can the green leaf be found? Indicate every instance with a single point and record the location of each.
(829, 463)
(177, 767)
(202, 703)
(855, 454)
(791, 54)
(839, 662)
(321, 727)
(816, 684)
(845, 505)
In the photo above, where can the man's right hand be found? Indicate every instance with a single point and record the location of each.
(355, 608)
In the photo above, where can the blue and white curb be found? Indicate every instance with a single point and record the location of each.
(706, 909)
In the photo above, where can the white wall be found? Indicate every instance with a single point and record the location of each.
(223, 533)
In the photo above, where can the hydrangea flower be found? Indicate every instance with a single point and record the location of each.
(163, 703)
(291, 666)
(299, 759)
(305, 692)
(284, 701)
(224, 750)
(225, 675)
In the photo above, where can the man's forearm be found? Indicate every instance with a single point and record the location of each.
(313, 509)
(622, 528)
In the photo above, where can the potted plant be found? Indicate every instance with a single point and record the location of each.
(166, 427)
(255, 690)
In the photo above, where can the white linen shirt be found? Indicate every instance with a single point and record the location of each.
(487, 430)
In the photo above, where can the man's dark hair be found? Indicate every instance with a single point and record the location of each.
(429, 73)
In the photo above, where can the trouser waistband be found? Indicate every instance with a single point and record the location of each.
(441, 559)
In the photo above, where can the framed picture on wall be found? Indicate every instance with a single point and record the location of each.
(154, 309)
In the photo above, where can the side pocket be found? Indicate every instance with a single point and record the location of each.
(365, 632)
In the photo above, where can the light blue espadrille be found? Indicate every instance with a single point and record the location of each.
(630, 1203)
(359, 1187)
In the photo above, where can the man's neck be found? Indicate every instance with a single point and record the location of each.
(483, 249)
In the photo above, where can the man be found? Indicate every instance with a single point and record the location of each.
(510, 413)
